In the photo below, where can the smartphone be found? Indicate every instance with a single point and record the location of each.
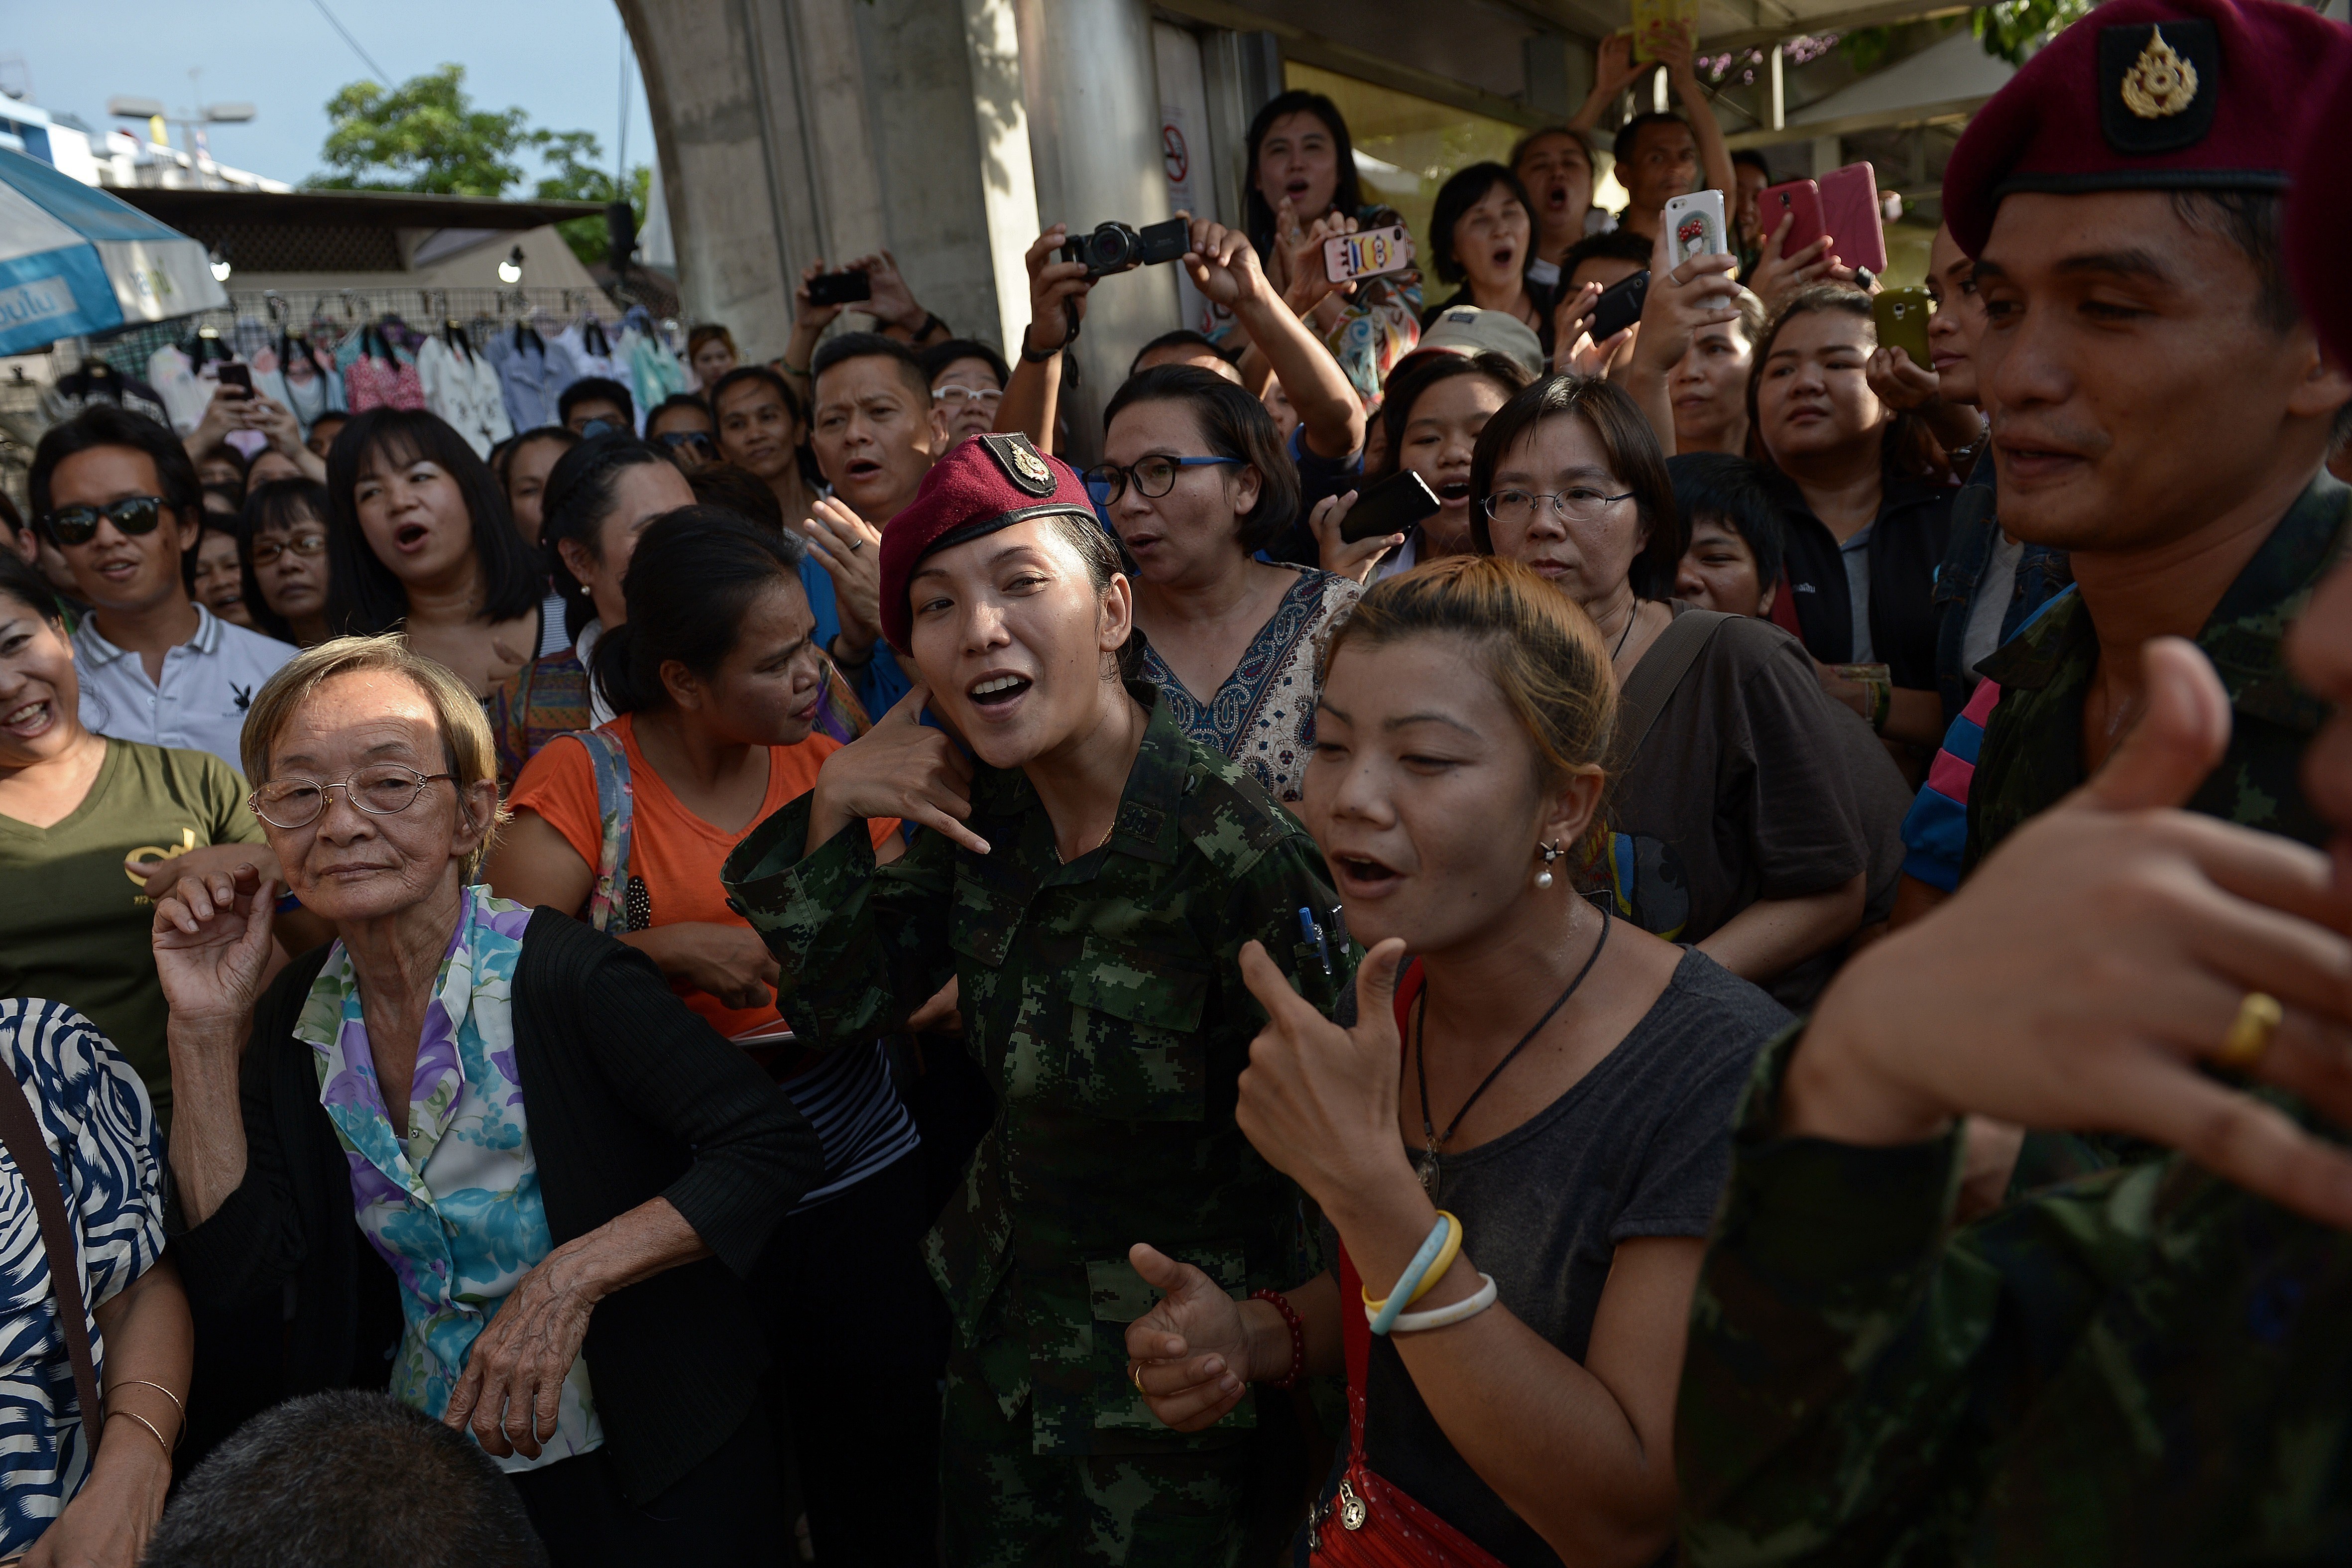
(1902, 317)
(1392, 506)
(1850, 213)
(1347, 256)
(1620, 306)
(1694, 226)
(236, 376)
(1797, 199)
(840, 287)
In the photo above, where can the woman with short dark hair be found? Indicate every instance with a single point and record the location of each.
(420, 540)
(1196, 482)
(1753, 818)
(1482, 238)
(283, 551)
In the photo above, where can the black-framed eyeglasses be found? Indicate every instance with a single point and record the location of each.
(131, 514)
(1153, 478)
(1517, 509)
(265, 552)
(386, 790)
(671, 440)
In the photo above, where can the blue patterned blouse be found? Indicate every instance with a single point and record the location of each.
(101, 1133)
(454, 1206)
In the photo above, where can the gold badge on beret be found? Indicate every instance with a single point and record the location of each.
(2161, 83)
(1019, 462)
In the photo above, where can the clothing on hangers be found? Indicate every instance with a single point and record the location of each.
(465, 389)
(172, 371)
(99, 381)
(380, 377)
(527, 376)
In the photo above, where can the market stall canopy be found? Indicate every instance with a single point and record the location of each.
(75, 261)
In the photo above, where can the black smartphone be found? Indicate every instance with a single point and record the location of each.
(840, 287)
(236, 376)
(1392, 506)
(1620, 306)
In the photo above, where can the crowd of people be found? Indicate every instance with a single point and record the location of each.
(788, 976)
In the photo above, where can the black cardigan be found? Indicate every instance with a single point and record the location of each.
(629, 1096)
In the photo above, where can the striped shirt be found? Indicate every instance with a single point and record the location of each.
(851, 1100)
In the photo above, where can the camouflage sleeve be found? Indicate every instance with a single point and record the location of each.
(860, 946)
(1853, 1367)
(1262, 905)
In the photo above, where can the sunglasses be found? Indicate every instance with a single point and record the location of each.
(671, 440)
(132, 515)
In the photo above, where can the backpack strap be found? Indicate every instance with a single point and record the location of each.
(1653, 681)
(608, 903)
(20, 1133)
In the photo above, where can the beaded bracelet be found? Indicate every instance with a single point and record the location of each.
(1281, 1304)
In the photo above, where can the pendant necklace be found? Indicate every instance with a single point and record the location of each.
(1427, 1165)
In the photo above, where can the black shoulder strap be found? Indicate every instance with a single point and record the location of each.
(1651, 685)
(20, 1131)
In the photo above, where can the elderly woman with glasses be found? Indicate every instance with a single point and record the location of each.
(496, 1158)
(1751, 816)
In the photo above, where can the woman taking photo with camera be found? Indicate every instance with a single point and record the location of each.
(1087, 880)
(1518, 1225)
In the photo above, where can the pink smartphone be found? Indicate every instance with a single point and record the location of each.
(1347, 256)
(1799, 199)
(1850, 213)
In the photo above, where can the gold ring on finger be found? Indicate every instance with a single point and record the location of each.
(1135, 1375)
(2251, 1031)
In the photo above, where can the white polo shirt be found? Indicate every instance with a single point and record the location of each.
(208, 683)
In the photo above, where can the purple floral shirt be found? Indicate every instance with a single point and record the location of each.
(453, 1201)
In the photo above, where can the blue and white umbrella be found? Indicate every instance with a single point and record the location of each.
(76, 261)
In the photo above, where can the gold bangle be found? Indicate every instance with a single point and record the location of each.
(2250, 1032)
(134, 1416)
(144, 1382)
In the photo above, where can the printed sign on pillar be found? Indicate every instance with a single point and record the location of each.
(1176, 162)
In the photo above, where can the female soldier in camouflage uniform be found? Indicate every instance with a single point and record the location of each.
(1088, 880)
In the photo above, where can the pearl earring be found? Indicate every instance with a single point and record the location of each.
(1552, 852)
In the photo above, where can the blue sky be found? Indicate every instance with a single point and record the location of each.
(558, 59)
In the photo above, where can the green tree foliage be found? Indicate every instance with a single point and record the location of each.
(2011, 31)
(423, 135)
(580, 175)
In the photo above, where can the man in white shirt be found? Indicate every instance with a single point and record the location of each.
(117, 496)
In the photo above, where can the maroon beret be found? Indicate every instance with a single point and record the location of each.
(2146, 95)
(2319, 218)
(986, 483)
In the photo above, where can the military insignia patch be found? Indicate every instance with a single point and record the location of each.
(1021, 462)
(2159, 85)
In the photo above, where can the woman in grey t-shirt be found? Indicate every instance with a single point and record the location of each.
(1568, 1083)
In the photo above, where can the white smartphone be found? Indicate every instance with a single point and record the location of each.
(1694, 226)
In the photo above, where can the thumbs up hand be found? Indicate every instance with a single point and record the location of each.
(2079, 978)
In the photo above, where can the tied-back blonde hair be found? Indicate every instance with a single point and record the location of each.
(1540, 648)
(465, 741)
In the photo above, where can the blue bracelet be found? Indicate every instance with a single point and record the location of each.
(1410, 1280)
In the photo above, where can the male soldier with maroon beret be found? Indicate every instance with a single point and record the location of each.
(2148, 1364)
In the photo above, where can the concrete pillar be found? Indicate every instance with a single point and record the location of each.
(1828, 152)
(1093, 99)
(1008, 175)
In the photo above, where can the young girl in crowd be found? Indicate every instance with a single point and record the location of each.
(1196, 483)
(1544, 1091)
(529, 458)
(1089, 879)
(1752, 817)
(1433, 414)
(598, 499)
(710, 352)
(283, 553)
(1302, 190)
(420, 540)
(716, 679)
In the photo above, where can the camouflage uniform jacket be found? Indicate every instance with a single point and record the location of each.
(2145, 1365)
(2033, 750)
(1104, 998)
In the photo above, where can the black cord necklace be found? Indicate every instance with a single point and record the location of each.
(1624, 637)
(1428, 1164)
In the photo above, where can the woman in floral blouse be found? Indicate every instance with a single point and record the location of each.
(573, 1148)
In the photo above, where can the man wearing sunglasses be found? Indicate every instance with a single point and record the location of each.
(681, 425)
(116, 493)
